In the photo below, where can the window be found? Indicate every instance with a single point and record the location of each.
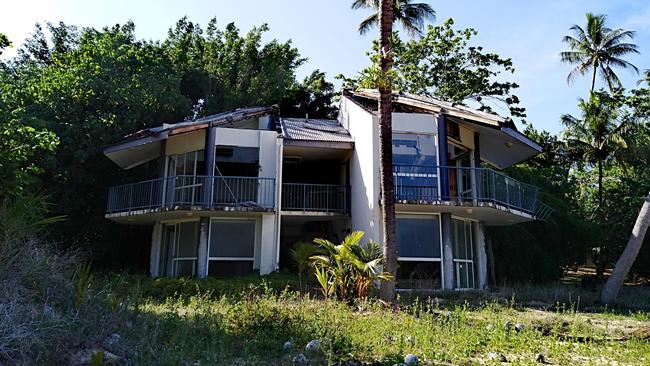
(179, 249)
(184, 186)
(463, 249)
(453, 130)
(418, 247)
(232, 247)
(414, 166)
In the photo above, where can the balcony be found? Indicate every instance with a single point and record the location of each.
(188, 192)
(467, 187)
(315, 198)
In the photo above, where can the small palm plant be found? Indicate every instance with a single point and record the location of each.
(301, 254)
(349, 268)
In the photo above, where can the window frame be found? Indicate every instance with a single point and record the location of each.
(420, 215)
(256, 240)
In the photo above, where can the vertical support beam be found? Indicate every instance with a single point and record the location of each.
(154, 256)
(490, 259)
(449, 282)
(208, 157)
(202, 255)
(478, 175)
(267, 241)
(442, 155)
(480, 259)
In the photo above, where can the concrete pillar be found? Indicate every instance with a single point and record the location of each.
(449, 282)
(208, 157)
(202, 255)
(154, 257)
(442, 155)
(477, 164)
(480, 255)
(267, 245)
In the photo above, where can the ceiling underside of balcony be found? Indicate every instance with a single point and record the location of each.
(491, 214)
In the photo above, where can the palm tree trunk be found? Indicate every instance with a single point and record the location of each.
(600, 268)
(385, 148)
(624, 263)
(593, 79)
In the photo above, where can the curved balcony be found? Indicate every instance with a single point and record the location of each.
(192, 192)
(467, 187)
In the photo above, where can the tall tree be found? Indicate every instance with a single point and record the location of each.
(443, 64)
(594, 139)
(597, 136)
(624, 263)
(598, 48)
(411, 15)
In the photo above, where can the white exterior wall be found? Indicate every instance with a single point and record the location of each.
(267, 245)
(364, 169)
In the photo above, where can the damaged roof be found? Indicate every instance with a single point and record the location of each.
(201, 123)
(437, 106)
(302, 129)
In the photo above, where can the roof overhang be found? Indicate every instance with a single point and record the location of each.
(132, 153)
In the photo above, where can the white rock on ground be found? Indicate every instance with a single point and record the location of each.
(312, 346)
(300, 360)
(411, 360)
(496, 356)
(287, 345)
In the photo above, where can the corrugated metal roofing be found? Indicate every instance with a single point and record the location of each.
(204, 122)
(314, 130)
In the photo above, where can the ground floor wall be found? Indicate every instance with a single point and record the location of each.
(436, 250)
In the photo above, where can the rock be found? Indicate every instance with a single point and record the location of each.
(112, 340)
(490, 327)
(410, 340)
(519, 327)
(411, 360)
(508, 325)
(496, 356)
(539, 358)
(92, 356)
(312, 346)
(287, 346)
(300, 360)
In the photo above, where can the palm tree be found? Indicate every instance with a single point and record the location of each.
(597, 135)
(598, 48)
(410, 15)
(412, 18)
(594, 139)
(624, 263)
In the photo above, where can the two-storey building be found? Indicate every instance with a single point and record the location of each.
(235, 191)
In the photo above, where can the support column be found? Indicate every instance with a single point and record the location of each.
(202, 251)
(154, 256)
(267, 257)
(208, 157)
(477, 164)
(480, 258)
(449, 282)
(442, 155)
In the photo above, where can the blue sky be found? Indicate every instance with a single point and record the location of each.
(529, 32)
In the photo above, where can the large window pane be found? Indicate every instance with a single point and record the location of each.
(232, 238)
(188, 239)
(418, 237)
(419, 275)
(414, 149)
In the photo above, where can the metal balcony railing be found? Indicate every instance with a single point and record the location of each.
(467, 186)
(193, 190)
(315, 197)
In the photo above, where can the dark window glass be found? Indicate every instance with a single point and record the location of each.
(419, 275)
(232, 238)
(229, 268)
(188, 239)
(418, 237)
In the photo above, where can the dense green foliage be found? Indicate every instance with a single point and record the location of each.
(443, 63)
(72, 91)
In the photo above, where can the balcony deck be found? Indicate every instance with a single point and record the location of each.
(481, 188)
(190, 193)
(315, 199)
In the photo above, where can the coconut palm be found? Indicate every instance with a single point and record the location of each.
(410, 15)
(598, 49)
(624, 263)
(597, 135)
